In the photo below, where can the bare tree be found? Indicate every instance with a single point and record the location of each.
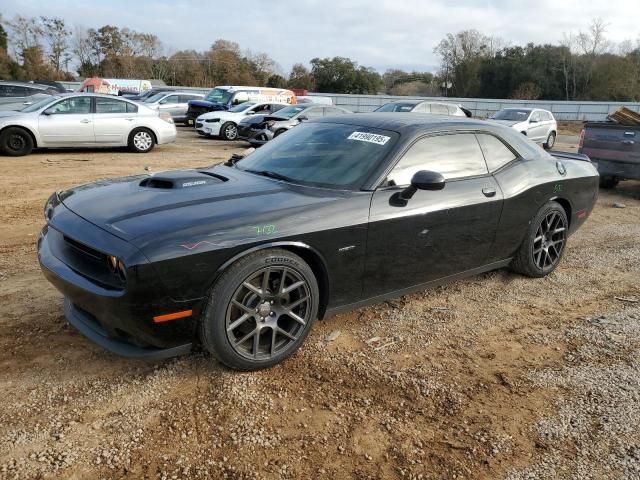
(56, 35)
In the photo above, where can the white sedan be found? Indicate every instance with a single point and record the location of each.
(224, 123)
(84, 120)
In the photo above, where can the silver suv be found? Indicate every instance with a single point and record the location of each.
(17, 95)
(539, 125)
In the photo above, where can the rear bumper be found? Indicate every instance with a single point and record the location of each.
(620, 170)
(166, 134)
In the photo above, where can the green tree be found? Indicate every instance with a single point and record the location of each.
(342, 75)
(300, 77)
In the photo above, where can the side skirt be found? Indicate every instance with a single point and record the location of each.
(423, 286)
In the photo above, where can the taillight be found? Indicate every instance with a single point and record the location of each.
(581, 142)
(166, 117)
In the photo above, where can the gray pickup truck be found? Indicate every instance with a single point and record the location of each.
(614, 148)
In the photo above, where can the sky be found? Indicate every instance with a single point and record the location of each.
(376, 33)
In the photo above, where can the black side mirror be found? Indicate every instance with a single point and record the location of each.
(302, 118)
(423, 180)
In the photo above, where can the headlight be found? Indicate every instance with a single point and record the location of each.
(50, 204)
(117, 267)
(212, 120)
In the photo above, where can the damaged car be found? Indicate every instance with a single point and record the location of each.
(242, 258)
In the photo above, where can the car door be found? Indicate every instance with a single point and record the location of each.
(537, 128)
(434, 234)
(112, 121)
(68, 122)
(171, 104)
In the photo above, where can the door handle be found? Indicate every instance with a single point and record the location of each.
(129, 119)
(489, 191)
(85, 120)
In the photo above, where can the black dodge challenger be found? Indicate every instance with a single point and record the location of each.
(336, 214)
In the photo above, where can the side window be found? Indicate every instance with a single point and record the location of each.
(313, 112)
(14, 91)
(495, 152)
(423, 108)
(535, 116)
(107, 105)
(262, 108)
(439, 109)
(186, 98)
(171, 99)
(77, 105)
(452, 109)
(276, 106)
(131, 108)
(454, 156)
(4, 91)
(548, 116)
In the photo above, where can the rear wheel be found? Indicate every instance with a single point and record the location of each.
(260, 310)
(608, 182)
(15, 142)
(141, 140)
(229, 131)
(544, 244)
(551, 141)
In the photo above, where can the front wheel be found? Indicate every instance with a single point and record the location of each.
(551, 141)
(542, 248)
(15, 142)
(260, 310)
(229, 131)
(141, 141)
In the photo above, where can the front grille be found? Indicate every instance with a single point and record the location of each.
(84, 249)
(195, 111)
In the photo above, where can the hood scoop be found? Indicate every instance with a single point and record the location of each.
(181, 179)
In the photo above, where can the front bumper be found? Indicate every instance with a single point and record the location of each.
(119, 318)
(254, 136)
(89, 326)
(210, 128)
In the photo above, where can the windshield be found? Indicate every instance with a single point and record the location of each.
(396, 107)
(289, 112)
(155, 98)
(323, 154)
(42, 103)
(242, 107)
(512, 114)
(219, 95)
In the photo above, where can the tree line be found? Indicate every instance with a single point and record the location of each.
(583, 66)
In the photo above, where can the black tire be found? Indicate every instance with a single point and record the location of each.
(15, 142)
(222, 328)
(229, 131)
(551, 141)
(608, 182)
(279, 132)
(141, 140)
(541, 251)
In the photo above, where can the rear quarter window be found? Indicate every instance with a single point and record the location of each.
(496, 153)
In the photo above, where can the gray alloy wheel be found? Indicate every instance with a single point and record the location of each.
(260, 310)
(141, 141)
(15, 142)
(551, 141)
(229, 131)
(542, 249)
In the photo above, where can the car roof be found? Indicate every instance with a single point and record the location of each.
(39, 86)
(404, 122)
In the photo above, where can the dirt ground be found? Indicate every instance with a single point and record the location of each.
(497, 376)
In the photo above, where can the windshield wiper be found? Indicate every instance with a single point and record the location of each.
(270, 174)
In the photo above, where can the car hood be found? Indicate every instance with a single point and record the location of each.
(10, 113)
(508, 123)
(217, 206)
(222, 115)
(206, 104)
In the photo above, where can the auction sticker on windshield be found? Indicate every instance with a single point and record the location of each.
(369, 137)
